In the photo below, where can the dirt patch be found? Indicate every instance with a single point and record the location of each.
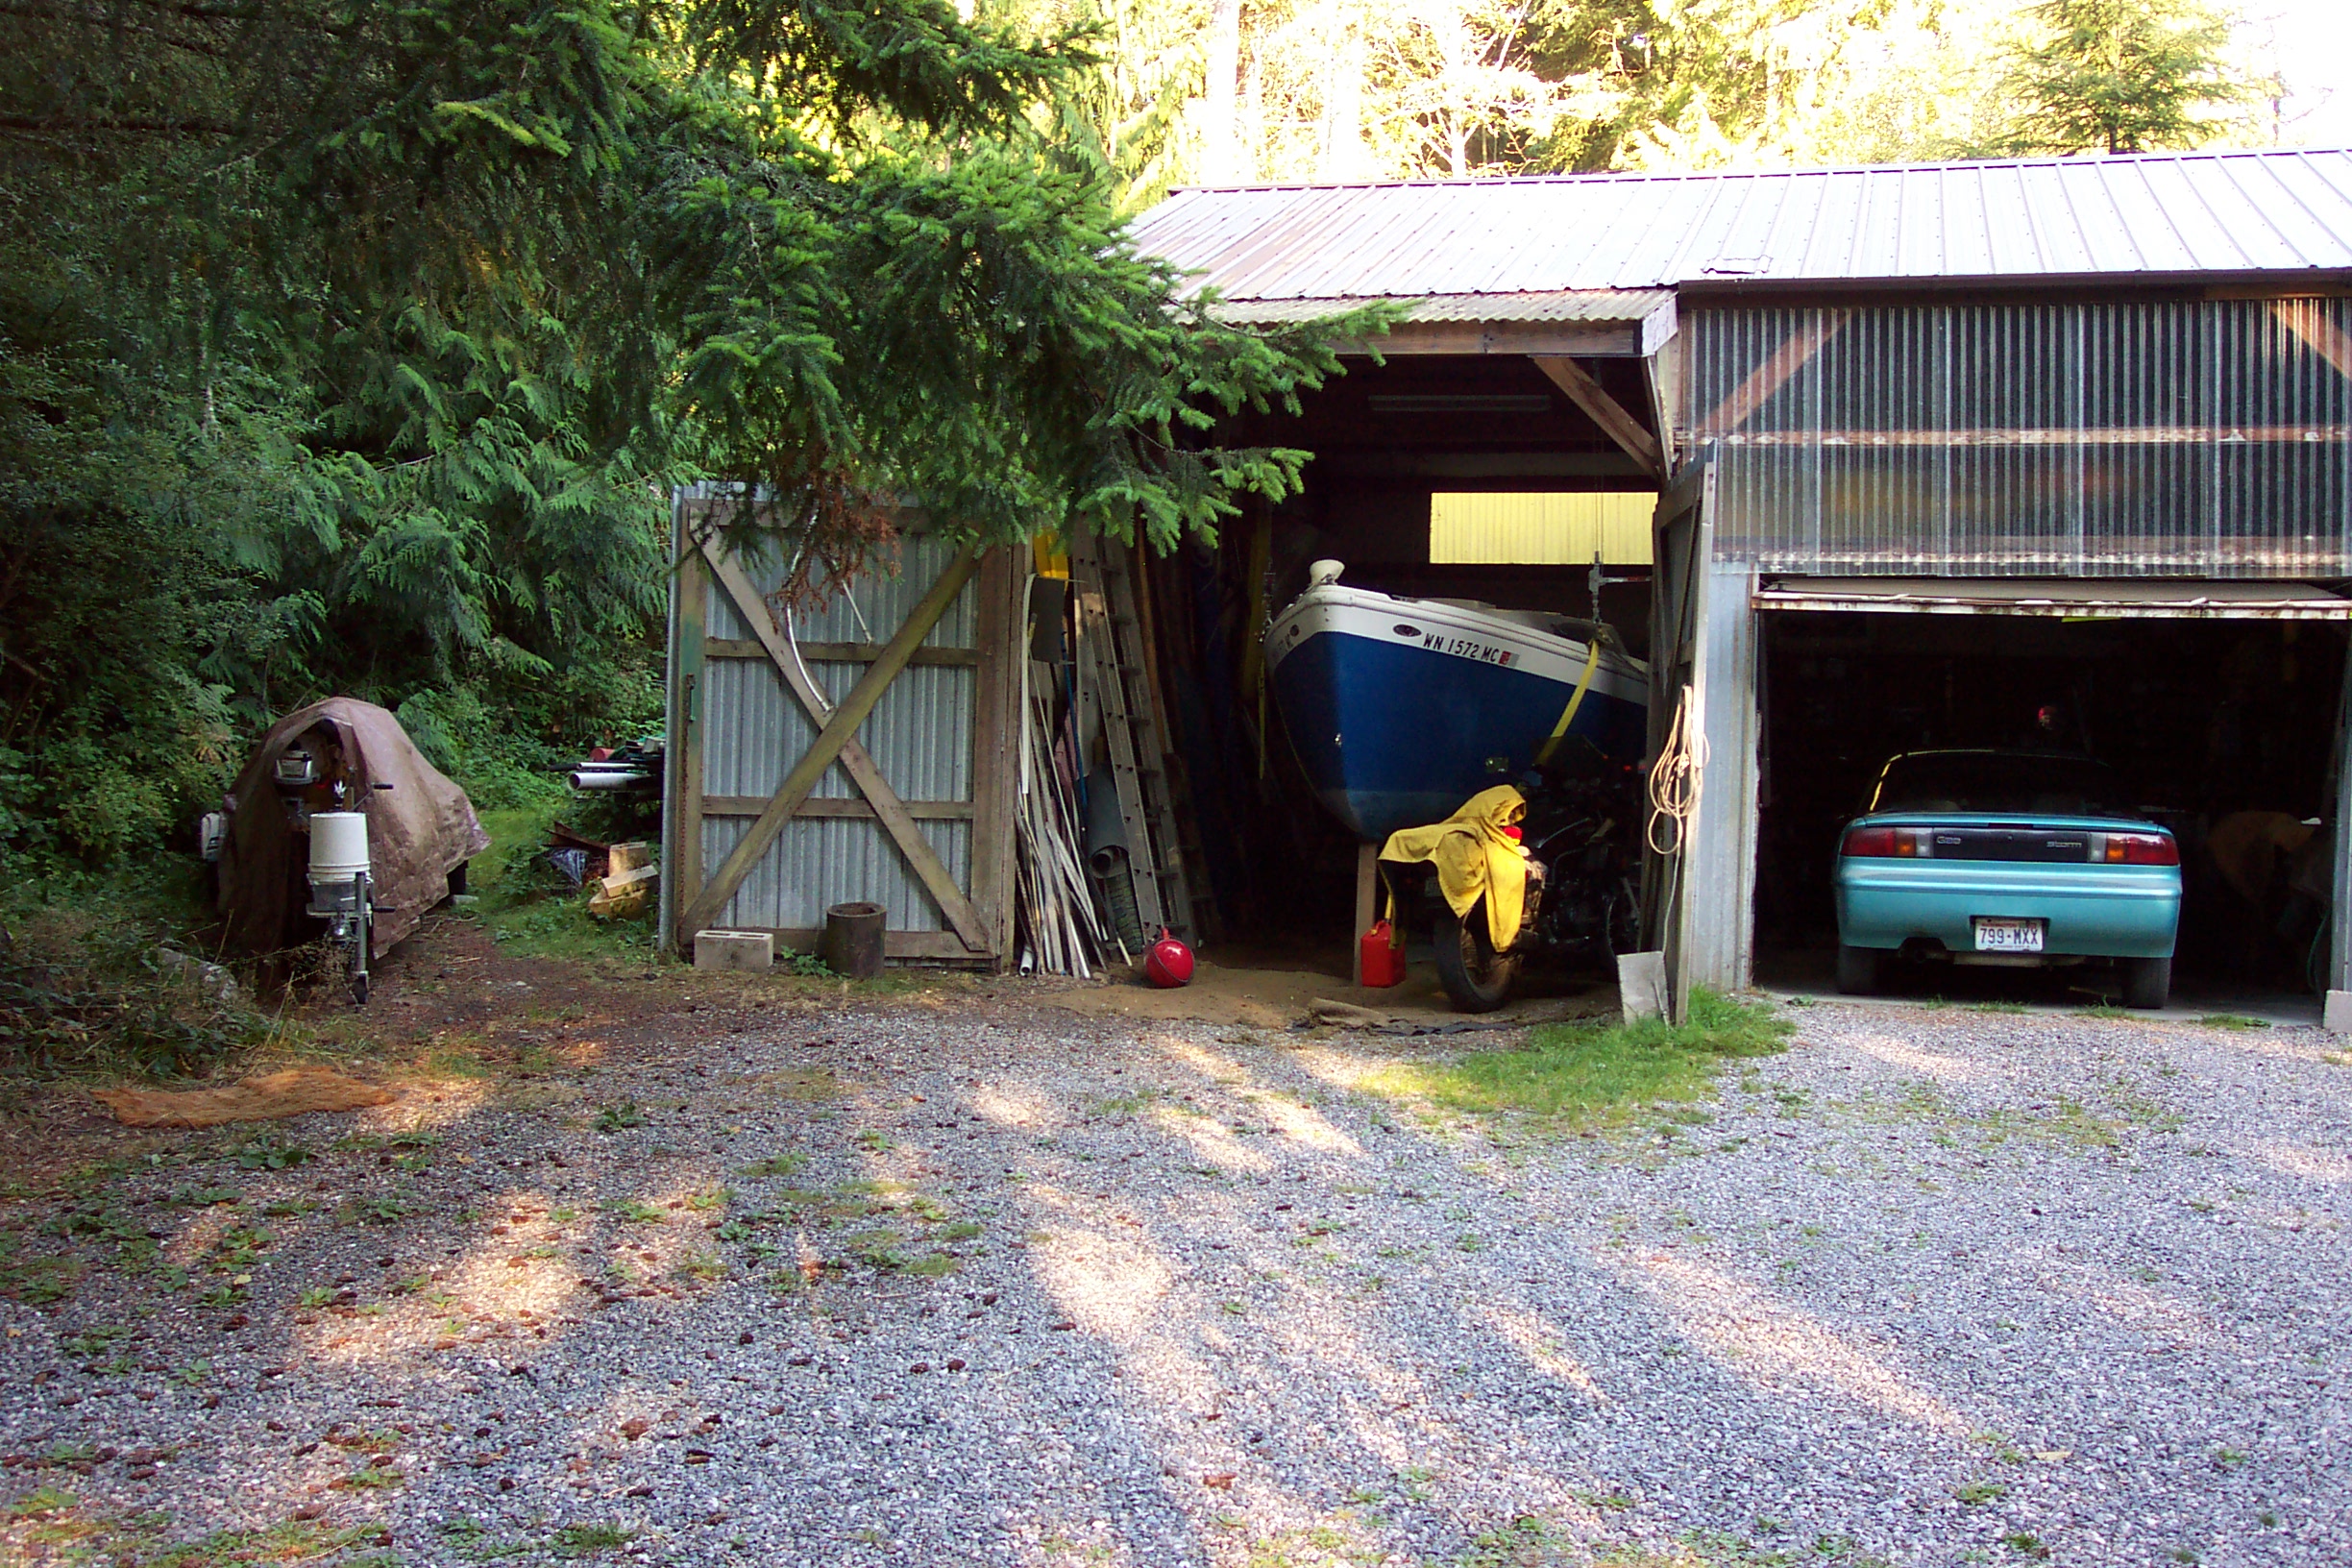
(1278, 996)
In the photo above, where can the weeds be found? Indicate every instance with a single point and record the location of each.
(614, 1118)
(2232, 1021)
(1599, 1073)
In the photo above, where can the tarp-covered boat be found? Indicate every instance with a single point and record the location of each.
(1401, 709)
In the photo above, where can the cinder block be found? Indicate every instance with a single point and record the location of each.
(2337, 1015)
(1641, 985)
(734, 950)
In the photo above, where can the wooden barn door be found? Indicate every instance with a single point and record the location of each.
(856, 751)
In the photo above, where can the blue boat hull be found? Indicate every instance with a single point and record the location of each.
(1393, 736)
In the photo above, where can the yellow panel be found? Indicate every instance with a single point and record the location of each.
(1542, 529)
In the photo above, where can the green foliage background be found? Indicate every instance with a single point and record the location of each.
(352, 347)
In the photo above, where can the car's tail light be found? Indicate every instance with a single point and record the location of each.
(1888, 843)
(2135, 848)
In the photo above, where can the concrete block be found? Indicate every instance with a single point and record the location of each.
(734, 950)
(1641, 985)
(2337, 1015)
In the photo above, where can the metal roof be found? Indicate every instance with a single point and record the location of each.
(2168, 215)
(1597, 304)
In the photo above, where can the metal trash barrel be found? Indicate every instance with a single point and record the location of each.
(852, 943)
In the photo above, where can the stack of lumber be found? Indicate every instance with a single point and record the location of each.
(1059, 932)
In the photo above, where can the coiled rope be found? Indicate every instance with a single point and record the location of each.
(1674, 782)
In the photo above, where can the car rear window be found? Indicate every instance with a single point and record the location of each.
(2007, 783)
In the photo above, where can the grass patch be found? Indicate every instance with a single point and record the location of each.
(528, 909)
(2232, 1021)
(1598, 1073)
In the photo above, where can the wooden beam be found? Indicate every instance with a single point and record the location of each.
(935, 945)
(838, 733)
(994, 733)
(692, 676)
(816, 805)
(1794, 353)
(1604, 410)
(1594, 340)
(751, 648)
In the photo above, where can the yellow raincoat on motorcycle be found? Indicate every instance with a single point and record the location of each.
(1475, 858)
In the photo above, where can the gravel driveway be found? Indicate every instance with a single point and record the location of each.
(1011, 1287)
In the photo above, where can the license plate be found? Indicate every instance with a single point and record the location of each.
(2008, 936)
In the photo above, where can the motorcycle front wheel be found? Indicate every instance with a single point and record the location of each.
(1477, 979)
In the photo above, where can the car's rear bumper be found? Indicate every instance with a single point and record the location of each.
(2089, 910)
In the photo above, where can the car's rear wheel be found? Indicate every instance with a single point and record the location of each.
(1477, 979)
(2146, 981)
(1860, 970)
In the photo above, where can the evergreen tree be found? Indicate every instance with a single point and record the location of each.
(349, 346)
(2118, 76)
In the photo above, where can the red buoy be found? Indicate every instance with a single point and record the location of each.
(1170, 962)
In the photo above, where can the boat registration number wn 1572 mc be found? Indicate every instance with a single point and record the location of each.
(1465, 647)
(1995, 936)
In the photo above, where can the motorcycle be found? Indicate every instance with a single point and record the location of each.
(1583, 832)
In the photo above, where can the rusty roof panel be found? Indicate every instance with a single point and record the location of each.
(2172, 215)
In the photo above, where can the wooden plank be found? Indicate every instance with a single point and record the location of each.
(1367, 905)
(694, 594)
(747, 648)
(900, 944)
(1662, 377)
(854, 758)
(820, 806)
(1604, 410)
(1791, 356)
(838, 730)
(1595, 340)
(994, 734)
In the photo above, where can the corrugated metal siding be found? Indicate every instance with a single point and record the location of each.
(2187, 438)
(884, 602)
(820, 861)
(919, 735)
(2161, 215)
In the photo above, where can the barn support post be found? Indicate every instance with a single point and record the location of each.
(1720, 933)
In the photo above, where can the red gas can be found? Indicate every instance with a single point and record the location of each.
(1383, 957)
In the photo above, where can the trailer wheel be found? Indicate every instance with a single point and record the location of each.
(1476, 978)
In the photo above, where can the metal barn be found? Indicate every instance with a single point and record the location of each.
(1923, 439)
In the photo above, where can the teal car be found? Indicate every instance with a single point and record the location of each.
(2009, 859)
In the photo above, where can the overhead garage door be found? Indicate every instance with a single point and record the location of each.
(1852, 674)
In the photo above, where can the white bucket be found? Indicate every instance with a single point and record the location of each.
(338, 846)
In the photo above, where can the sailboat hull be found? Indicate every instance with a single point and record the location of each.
(1400, 709)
